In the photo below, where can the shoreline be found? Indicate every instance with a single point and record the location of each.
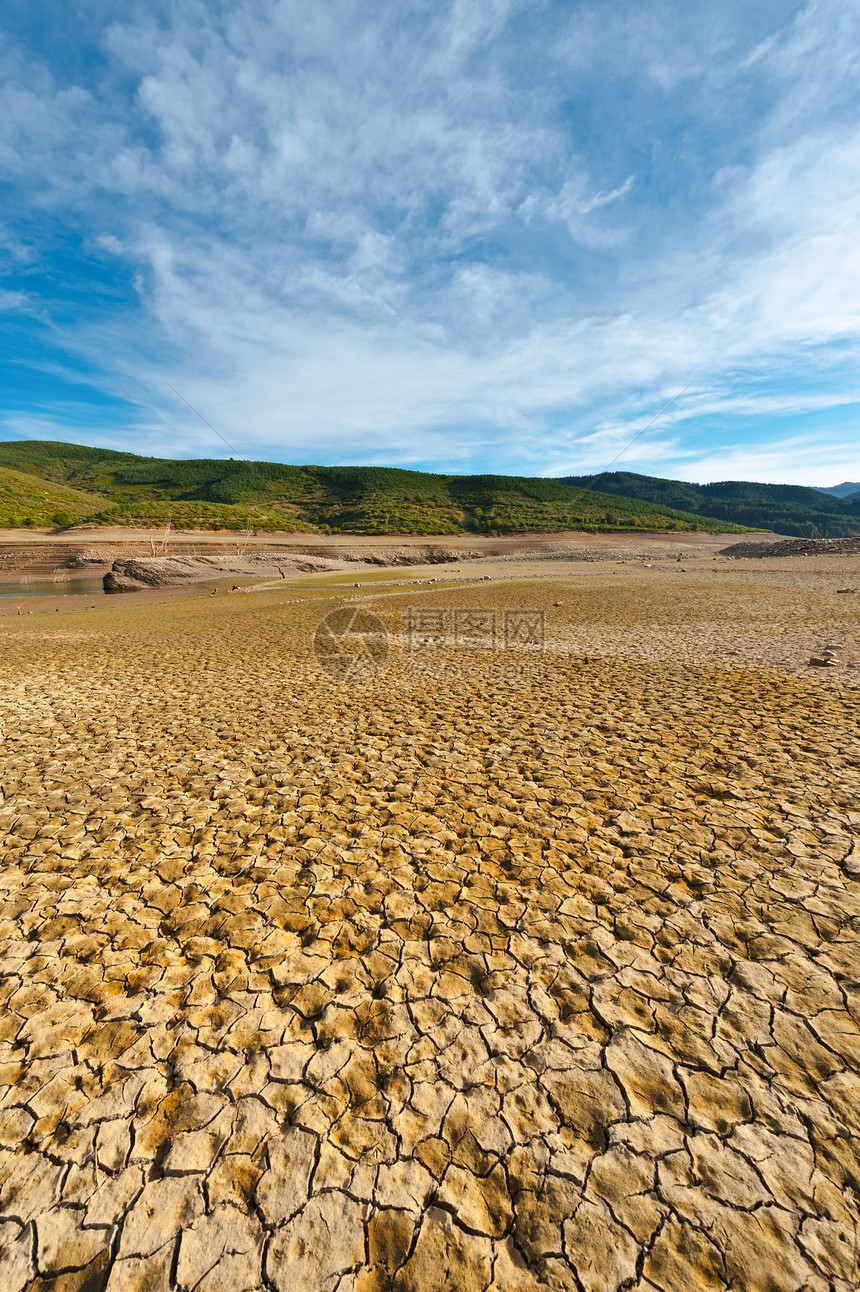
(43, 558)
(25, 554)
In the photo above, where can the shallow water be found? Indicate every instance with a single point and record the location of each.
(52, 588)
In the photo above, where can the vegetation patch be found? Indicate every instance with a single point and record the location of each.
(111, 488)
(29, 501)
(788, 509)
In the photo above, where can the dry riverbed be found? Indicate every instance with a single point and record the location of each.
(477, 966)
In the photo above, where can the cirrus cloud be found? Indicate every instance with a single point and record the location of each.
(473, 235)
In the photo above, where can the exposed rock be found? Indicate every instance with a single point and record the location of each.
(118, 581)
(131, 575)
(796, 547)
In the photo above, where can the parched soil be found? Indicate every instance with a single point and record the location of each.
(466, 966)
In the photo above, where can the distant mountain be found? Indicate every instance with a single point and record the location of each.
(788, 509)
(58, 484)
(845, 490)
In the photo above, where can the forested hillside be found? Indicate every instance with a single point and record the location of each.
(124, 489)
(788, 509)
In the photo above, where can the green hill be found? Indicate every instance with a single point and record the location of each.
(788, 509)
(211, 493)
(29, 500)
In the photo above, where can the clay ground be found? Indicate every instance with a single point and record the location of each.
(469, 969)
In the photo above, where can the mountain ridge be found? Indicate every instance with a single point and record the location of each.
(111, 487)
(844, 490)
(796, 510)
(52, 483)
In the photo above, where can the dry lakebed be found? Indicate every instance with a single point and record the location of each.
(500, 935)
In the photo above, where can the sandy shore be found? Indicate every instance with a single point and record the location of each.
(43, 554)
(145, 538)
(512, 946)
(71, 559)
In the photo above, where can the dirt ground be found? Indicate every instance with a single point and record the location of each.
(509, 944)
(145, 538)
(42, 554)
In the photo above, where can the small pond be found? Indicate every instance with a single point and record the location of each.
(53, 588)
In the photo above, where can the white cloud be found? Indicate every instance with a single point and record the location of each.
(386, 234)
(13, 300)
(811, 459)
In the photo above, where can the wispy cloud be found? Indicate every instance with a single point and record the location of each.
(432, 234)
(814, 457)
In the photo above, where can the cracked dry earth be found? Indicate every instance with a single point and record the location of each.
(524, 973)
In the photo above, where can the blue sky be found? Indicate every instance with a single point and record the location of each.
(452, 234)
